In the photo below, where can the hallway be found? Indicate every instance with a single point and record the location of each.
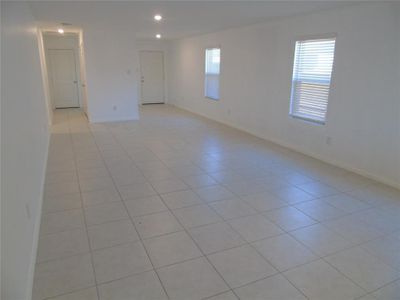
(175, 206)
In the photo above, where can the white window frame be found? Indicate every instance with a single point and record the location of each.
(292, 113)
(205, 73)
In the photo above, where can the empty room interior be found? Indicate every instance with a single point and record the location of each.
(189, 150)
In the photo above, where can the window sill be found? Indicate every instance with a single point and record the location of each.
(211, 98)
(308, 120)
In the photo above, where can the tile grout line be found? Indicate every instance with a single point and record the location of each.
(83, 211)
(131, 219)
(225, 221)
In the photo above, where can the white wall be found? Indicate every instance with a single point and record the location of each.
(155, 45)
(112, 80)
(45, 76)
(24, 144)
(256, 68)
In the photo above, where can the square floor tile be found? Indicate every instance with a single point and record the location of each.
(61, 202)
(157, 224)
(112, 234)
(62, 276)
(241, 265)
(224, 296)
(61, 188)
(93, 173)
(62, 221)
(346, 203)
(107, 212)
(318, 189)
(284, 252)
(296, 178)
(320, 210)
(387, 249)
(215, 237)
(388, 292)
(96, 183)
(86, 294)
(62, 244)
(289, 218)
(157, 174)
(319, 281)
(100, 197)
(321, 240)
(292, 195)
(379, 219)
(171, 248)
(121, 180)
(134, 191)
(120, 261)
(196, 216)
(194, 280)
(272, 288)
(246, 187)
(225, 177)
(144, 286)
(233, 208)
(169, 185)
(353, 230)
(363, 268)
(367, 297)
(197, 181)
(255, 227)
(371, 197)
(181, 199)
(273, 182)
(57, 177)
(264, 201)
(144, 206)
(214, 193)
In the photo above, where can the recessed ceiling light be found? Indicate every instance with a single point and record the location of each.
(60, 30)
(158, 17)
(158, 36)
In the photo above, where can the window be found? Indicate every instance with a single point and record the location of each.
(211, 83)
(311, 79)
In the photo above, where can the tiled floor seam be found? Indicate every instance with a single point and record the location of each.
(84, 217)
(224, 221)
(133, 223)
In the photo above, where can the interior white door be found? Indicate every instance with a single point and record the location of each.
(64, 79)
(152, 76)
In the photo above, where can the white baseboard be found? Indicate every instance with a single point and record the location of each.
(109, 120)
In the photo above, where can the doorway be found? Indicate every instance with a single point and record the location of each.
(64, 66)
(64, 78)
(152, 77)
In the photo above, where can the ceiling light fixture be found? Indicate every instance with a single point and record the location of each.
(158, 36)
(60, 30)
(158, 17)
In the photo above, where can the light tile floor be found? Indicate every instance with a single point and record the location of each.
(175, 206)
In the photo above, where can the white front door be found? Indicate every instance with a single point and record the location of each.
(152, 76)
(63, 77)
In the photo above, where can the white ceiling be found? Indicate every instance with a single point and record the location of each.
(181, 19)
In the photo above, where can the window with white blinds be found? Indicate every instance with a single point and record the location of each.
(212, 63)
(312, 70)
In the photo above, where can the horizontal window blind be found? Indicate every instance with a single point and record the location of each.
(212, 66)
(312, 70)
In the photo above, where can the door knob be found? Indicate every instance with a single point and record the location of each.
(75, 81)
